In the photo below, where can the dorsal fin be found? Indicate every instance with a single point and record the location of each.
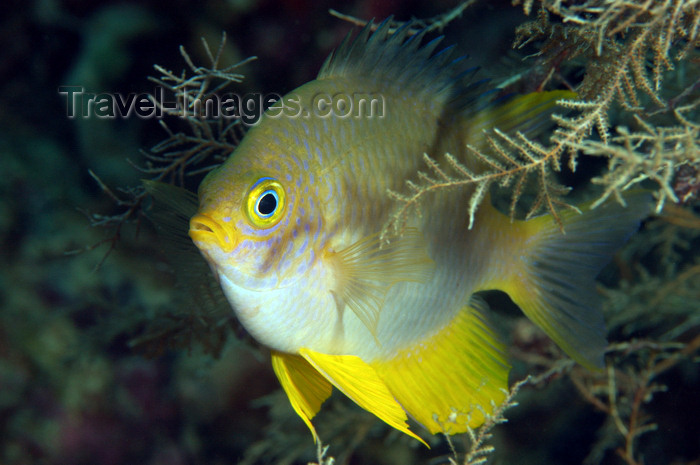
(399, 59)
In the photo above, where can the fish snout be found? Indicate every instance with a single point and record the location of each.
(206, 231)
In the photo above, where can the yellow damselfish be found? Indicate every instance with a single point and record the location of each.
(290, 226)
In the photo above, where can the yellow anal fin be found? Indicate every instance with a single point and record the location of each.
(366, 270)
(305, 386)
(451, 380)
(360, 382)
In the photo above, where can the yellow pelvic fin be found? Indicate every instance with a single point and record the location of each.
(552, 276)
(449, 381)
(305, 386)
(366, 270)
(360, 382)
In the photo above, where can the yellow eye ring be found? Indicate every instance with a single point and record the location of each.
(265, 203)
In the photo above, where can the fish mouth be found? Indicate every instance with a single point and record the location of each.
(207, 231)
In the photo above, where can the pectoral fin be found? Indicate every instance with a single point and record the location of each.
(366, 270)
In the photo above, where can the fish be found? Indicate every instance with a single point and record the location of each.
(291, 227)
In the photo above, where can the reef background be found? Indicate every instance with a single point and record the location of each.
(75, 390)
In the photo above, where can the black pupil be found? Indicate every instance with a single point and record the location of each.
(267, 204)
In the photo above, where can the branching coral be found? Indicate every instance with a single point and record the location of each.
(655, 153)
(203, 316)
(208, 140)
(623, 390)
(205, 144)
(479, 448)
(628, 47)
(633, 43)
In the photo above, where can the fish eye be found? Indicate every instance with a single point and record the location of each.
(265, 203)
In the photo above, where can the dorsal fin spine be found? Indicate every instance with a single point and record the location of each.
(399, 61)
